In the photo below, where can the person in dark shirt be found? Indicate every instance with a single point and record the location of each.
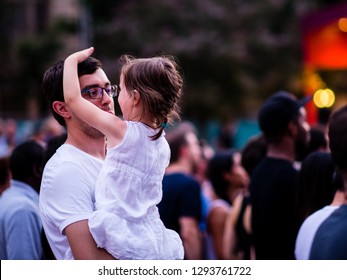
(181, 206)
(274, 180)
(5, 174)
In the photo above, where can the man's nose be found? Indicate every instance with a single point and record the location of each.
(106, 98)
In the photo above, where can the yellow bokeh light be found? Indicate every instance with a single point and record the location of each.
(343, 24)
(324, 98)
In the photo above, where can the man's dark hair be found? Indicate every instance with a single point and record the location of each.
(52, 83)
(220, 164)
(338, 137)
(253, 152)
(176, 138)
(4, 170)
(277, 112)
(52, 145)
(26, 160)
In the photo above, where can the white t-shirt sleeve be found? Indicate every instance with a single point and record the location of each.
(308, 231)
(67, 198)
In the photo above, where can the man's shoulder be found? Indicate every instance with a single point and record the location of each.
(333, 227)
(69, 173)
(270, 168)
(330, 239)
(13, 202)
(273, 162)
(68, 156)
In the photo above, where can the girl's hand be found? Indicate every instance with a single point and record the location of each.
(81, 55)
(71, 86)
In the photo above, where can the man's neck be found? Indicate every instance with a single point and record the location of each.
(95, 147)
(178, 167)
(284, 150)
(339, 198)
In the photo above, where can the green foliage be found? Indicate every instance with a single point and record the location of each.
(230, 50)
(27, 57)
(233, 53)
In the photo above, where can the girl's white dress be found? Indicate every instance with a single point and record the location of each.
(126, 221)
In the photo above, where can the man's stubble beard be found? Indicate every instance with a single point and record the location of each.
(301, 146)
(91, 131)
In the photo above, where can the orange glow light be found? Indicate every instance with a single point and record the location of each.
(343, 24)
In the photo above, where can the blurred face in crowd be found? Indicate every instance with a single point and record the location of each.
(194, 150)
(238, 177)
(303, 136)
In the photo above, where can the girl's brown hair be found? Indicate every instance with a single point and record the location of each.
(159, 83)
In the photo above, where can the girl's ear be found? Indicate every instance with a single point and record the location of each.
(60, 108)
(136, 97)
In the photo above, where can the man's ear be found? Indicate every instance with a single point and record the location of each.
(60, 108)
(184, 151)
(292, 129)
(227, 176)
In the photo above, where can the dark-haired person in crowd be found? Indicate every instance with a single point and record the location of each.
(330, 242)
(282, 119)
(20, 223)
(228, 179)
(5, 174)
(318, 140)
(181, 205)
(238, 243)
(8, 136)
(53, 145)
(310, 225)
(316, 184)
(253, 152)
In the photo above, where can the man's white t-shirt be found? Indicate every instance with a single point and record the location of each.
(308, 231)
(67, 194)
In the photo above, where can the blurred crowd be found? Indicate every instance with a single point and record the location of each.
(13, 132)
(272, 199)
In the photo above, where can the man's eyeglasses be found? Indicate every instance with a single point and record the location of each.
(98, 92)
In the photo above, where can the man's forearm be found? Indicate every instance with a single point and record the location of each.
(191, 238)
(82, 244)
(192, 247)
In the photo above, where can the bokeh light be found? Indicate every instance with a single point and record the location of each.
(324, 98)
(342, 23)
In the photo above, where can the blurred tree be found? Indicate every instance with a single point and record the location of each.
(6, 70)
(36, 53)
(233, 53)
(29, 45)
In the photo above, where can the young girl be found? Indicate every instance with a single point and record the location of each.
(126, 221)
